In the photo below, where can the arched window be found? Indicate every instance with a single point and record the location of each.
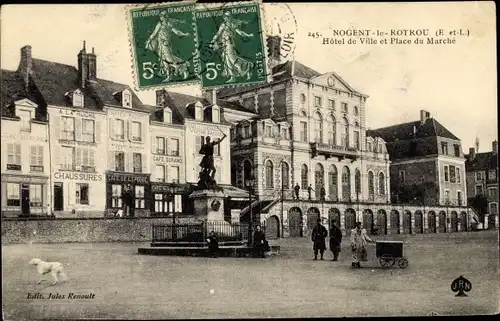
(381, 183)
(319, 179)
(269, 174)
(357, 138)
(304, 177)
(346, 184)
(371, 184)
(332, 135)
(247, 170)
(357, 182)
(318, 126)
(285, 175)
(356, 111)
(345, 132)
(332, 183)
(303, 113)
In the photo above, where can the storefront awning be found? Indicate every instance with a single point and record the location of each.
(235, 192)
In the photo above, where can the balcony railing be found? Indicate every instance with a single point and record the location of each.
(333, 150)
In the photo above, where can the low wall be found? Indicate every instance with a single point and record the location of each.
(83, 230)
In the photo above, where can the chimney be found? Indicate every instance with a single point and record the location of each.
(92, 71)
(472, 153)
(26, 65)
(210, 95)
(273, 50)
(83, 65)
(424, 115)
(160, 98)
(494, 146)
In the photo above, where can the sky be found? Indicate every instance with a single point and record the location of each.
(456, 83)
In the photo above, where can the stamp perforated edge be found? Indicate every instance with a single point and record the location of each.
(263, 28)
(132, 52)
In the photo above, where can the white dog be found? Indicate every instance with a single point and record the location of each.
(55, 268)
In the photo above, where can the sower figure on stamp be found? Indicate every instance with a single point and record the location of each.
(224, 40)
(318, 236)
(160, 42)
(207, 163)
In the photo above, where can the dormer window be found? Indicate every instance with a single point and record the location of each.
(25, 116)
(77, 98)
(126, 99)
(215, 114)
(198, 111)
(167, 115)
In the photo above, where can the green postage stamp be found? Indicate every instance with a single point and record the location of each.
(163, 42)
(230, 45)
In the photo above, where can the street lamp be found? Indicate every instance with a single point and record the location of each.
(249, 184)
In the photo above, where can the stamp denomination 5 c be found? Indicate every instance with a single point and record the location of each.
(231, 46)
(163, 44)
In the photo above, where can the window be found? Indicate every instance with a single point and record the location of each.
(492, 192)
(174, 174)
(402, 176)
(217, 150)
(331, 104)
(493, 208)
(356, 111)
(77, 99)
(68, 128)
(198, 110)
(25, 116)
(269, 174)
(120, 161)
(302, 98)
(459, 198)
(345, 133)
(82, 193)
(136, 131)
(36, 195)
(492, 174)
(284, 133)
(88, 160)
(140, 201)
(215, 115)
(14, 157)
(446, 173)
(457, 150)
(371, 184)
(160, 173)
(345, 109)
(88, 132)
(68, 158)
(479, 176)
(199, 141)
(318, 127)
(303, 131)
(269, 131)
(381, 183)
(357, 139)
(357, 182)
(137, 157)
(246, 131)
(167, 116)
(127, 99)
(317, 101)
(119, 129)
(160, 146)
(457, 174)
(285, 175)
(369, 146)
(13, 194)
(116, 196)
(452, 174)
(444, 148)
(303, 113)
(479, 189)
(447, 197)
(304, 177)
(174, 147)
(36, 159)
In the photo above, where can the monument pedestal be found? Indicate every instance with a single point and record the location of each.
(209, 205)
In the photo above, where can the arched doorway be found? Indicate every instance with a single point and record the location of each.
(295, 222)
(442, 222)
(332, 183)
(313, 215)
(407, 222)
(319, 179)
(368, 220)
(349, 220)
(346, 184)
(419, 222)
(272, 227)
(454, 222)
(334, 215)
(394, 222)
(431, 220)
(382, 222)
(463, 222)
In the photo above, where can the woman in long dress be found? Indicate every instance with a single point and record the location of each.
(224, 40)
(160, 42)
(359, 239)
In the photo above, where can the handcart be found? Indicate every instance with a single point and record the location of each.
(388, 252)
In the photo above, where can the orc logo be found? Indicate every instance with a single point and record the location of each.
(215, 205)
(461, 285)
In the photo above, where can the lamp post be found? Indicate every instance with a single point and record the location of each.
(249, 184)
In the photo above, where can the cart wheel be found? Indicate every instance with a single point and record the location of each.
(403, 263)
(387, 260)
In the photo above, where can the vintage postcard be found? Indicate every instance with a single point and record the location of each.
(248, 159)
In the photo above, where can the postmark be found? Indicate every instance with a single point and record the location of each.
(162, 41)
(231, 46)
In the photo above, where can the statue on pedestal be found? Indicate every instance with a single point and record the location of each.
(207, 174)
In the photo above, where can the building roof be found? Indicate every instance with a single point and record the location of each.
(12, 90)
(481, 162)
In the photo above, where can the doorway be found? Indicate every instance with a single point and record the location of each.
(58, 197)
(25, 199)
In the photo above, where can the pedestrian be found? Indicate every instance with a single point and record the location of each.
(309, 190)
(297, 190)
(322, 193)
(213, 244)
(335, 241)
(359, 239)
(318, 236)
(260, 243)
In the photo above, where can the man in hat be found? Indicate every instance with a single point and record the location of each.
(335, 240)
(318, 236)
(359, 239)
